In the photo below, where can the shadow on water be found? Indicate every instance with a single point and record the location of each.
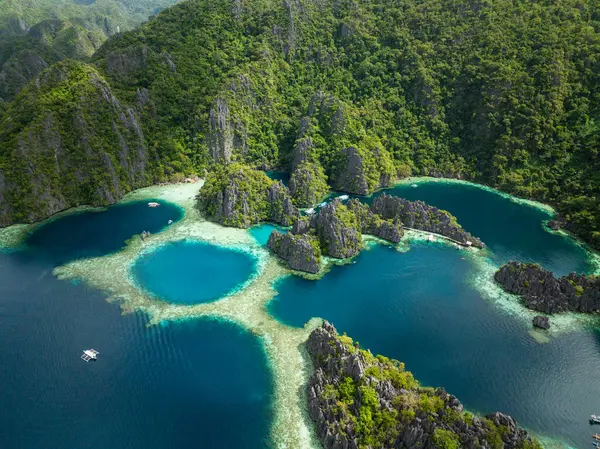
(183, 385)
(95, 234)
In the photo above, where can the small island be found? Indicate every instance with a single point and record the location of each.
(240, 196)
(358, 400)
(543, 292)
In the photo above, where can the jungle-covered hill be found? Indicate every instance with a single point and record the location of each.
(35, 34)
(355, 94)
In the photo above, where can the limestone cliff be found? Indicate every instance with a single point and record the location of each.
(370, 223)
(301, 252)
(237, 195)
(357, 400)
(44, 44)
(338, 230)
(419, 215)
(541, 291)
(68, 141)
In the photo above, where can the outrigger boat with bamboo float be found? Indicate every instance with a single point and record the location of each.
(89, 354)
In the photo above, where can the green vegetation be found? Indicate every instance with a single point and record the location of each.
(107, 16)
(236, 195)
(68, 141)
(445, 439)
(502, 93)
(308, 184)
(370, 419)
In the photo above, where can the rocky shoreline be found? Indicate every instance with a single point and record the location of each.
(237, 195)
(543, 292)
(357, 400)
(336, 230)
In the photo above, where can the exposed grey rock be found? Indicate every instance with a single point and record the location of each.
(301, 225)
(124, 64)
(541, 321)
(350, 176)
(370, 223)
(296, 250)
(419, 215)
(301, 152)
(220, 137)
(233, 205)
(169, 61)
(541, 291)
(339, 237)
(71, 167)
(335, 361)
(142, 97)
(282, 210)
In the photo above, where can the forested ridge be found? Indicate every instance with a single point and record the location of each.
(358, 93)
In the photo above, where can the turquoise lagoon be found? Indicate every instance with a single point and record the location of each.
(422, 308)
(177, 385)
(192, 272)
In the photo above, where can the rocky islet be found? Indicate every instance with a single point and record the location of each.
(540, 290)
(358, 400)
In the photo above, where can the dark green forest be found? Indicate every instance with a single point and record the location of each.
(500, 92)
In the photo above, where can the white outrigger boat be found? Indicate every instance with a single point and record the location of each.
(89, 354)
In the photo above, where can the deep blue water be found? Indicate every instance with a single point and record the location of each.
(191, 272)
(153, 387)
(94, 234)
(511, 231)
(419, 307)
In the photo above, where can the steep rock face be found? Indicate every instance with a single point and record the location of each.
(419, 215)
(17, 72)
(236, 195)
(124, 64)
(220, 137)
(229, 129)
(73, 143)
(363, 171)
(44, 44)
(282, 210)
(351, 176)
(370, 223)
(299, 251)
(541, 291)
(308, 184)
(338, 230)
(358, 400)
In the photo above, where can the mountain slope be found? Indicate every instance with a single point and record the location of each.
(356, 93)
(67, 141)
